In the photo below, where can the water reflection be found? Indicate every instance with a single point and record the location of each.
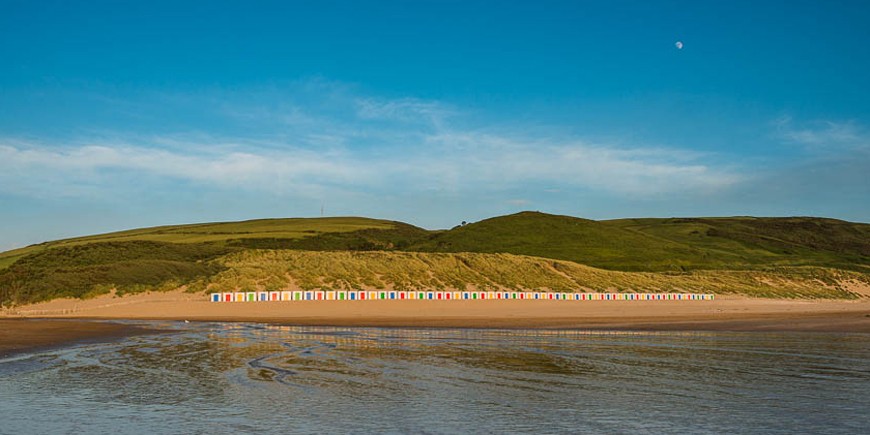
(241, 377)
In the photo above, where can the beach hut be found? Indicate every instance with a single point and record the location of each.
(215, 297)
(239, 297)
(274, 296)
(342, 296)
(297, 296)
(228, 297)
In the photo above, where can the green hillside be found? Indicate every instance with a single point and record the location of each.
(666, 244)
(750, 241)
(336, 232)
(741, 254)
(566, 238)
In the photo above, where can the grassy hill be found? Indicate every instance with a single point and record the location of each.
(666, 244)
(565, 238)
(293, 233)
(806, 257)
(751, 241)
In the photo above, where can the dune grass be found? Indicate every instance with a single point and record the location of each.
(278, 270)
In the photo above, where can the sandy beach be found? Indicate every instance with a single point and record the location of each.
(729, 313)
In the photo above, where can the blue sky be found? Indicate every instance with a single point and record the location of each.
(116, 115)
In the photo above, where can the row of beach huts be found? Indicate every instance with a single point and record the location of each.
(362, 295)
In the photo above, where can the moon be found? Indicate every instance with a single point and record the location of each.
(679, 45)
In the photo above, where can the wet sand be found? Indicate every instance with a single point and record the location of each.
(26, 335)
(728, 313)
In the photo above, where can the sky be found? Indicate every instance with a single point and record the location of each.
(118, 115)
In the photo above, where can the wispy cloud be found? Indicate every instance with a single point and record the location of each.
(404, 110)
(492, 164)
(351, 143)
(823, 134)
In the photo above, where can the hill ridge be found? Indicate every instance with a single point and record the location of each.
(172, 256)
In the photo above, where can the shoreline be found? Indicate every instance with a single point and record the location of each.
(25, 335)
(852, 322)
(725, 313)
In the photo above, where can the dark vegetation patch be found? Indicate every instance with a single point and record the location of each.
(88, 270)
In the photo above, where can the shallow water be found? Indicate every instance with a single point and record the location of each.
(224, 378)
